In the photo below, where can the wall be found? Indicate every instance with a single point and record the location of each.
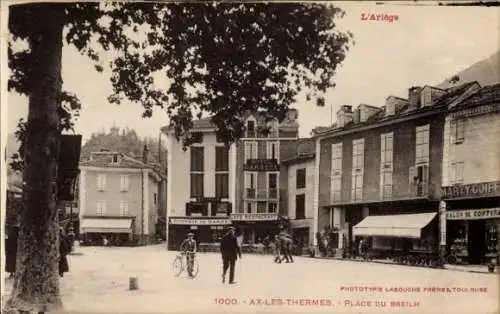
(480, 150)
(308, 190)
(179, 165)
(112, 194)
(404, 158)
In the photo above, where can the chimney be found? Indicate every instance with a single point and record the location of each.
(414, 97)
(356, 114)
(145, 154)
(344, 116)
(366, 111)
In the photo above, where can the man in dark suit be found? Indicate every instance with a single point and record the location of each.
(230, 251)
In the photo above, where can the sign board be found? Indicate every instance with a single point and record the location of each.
(200, 221)
(261, 165)
(471, 214)
(254, 217)
(479, 110)
(471, 190)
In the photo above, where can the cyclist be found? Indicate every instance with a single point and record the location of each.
(188, 247)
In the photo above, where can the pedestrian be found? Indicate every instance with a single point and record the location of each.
(277, 249)
(287, 247)
(230, 251)
(64, 250)
(11, 251)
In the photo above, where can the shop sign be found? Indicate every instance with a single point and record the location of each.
(254, 217)
(471, 214)
(471, 190)
(261, 165)
(476, 111)
(199, 221)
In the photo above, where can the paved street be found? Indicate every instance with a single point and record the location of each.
(98, 282)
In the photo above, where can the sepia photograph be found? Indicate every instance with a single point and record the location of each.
(250, 157)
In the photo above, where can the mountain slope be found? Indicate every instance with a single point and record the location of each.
(485, 72)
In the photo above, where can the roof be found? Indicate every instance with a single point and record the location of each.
(306, 150)
(486, 95)
(124, 161)
(451, 94)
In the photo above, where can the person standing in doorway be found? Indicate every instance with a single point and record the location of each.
(230, 251)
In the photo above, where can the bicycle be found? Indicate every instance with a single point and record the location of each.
(180, 264)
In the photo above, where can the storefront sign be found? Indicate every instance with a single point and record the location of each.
(261, 165)
(476, 111)
(487, 213)
(471, 190)
(254, 217)
(199, 221)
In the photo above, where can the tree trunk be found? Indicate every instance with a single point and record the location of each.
(36, 283)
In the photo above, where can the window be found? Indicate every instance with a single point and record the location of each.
(250, 128)
(358, 159)
(197, 185)
(101, 208)
(124, 182)
(222, 185)
(272, 207)
(261, 207)
(301, 178)
(422, 144)
(250, 207)
(273, 150)
(386, 148)
(250, 150)
(300, 206)
(272, 184)
(197, 159)
(250, 184)
(386, 184)
(101, 182)
(197, 176)
(457, 172)
(115, 158)
(336, 173)
(457, 132)
(386, 164)
(197, 137)
(221, 158)
(123, 208)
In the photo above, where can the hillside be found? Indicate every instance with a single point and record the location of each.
(486, 72)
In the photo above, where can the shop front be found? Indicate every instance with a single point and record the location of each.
(472, 222)
(302, 235)
(207, 230)
(406, 238)
(256, 227)
(108, 231)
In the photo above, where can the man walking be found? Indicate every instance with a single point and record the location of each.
(230, 251)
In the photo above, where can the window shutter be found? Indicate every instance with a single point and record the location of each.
(103, 181)
(255, 150)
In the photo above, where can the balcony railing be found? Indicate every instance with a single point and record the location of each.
(252, 193)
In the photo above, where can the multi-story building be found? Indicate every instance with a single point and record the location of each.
(300, 192)
(201, 181)
(381, 162)
(119, 198)
(260, 180)
(471, 176)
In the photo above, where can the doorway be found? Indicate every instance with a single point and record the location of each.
(476, 245)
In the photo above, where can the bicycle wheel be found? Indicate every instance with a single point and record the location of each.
(195, 267)
(177, 266)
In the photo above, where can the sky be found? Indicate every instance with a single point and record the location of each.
(425, 46)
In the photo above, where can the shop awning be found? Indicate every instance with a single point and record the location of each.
(110, 225)
(404, 226)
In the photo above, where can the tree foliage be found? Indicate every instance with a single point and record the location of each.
(221, 59)
(126, 142)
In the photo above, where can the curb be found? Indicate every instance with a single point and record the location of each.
(446, 267)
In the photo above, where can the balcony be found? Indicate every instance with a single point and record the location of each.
(261, 165)
(261, 194)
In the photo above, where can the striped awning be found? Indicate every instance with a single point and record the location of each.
(404, 226)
